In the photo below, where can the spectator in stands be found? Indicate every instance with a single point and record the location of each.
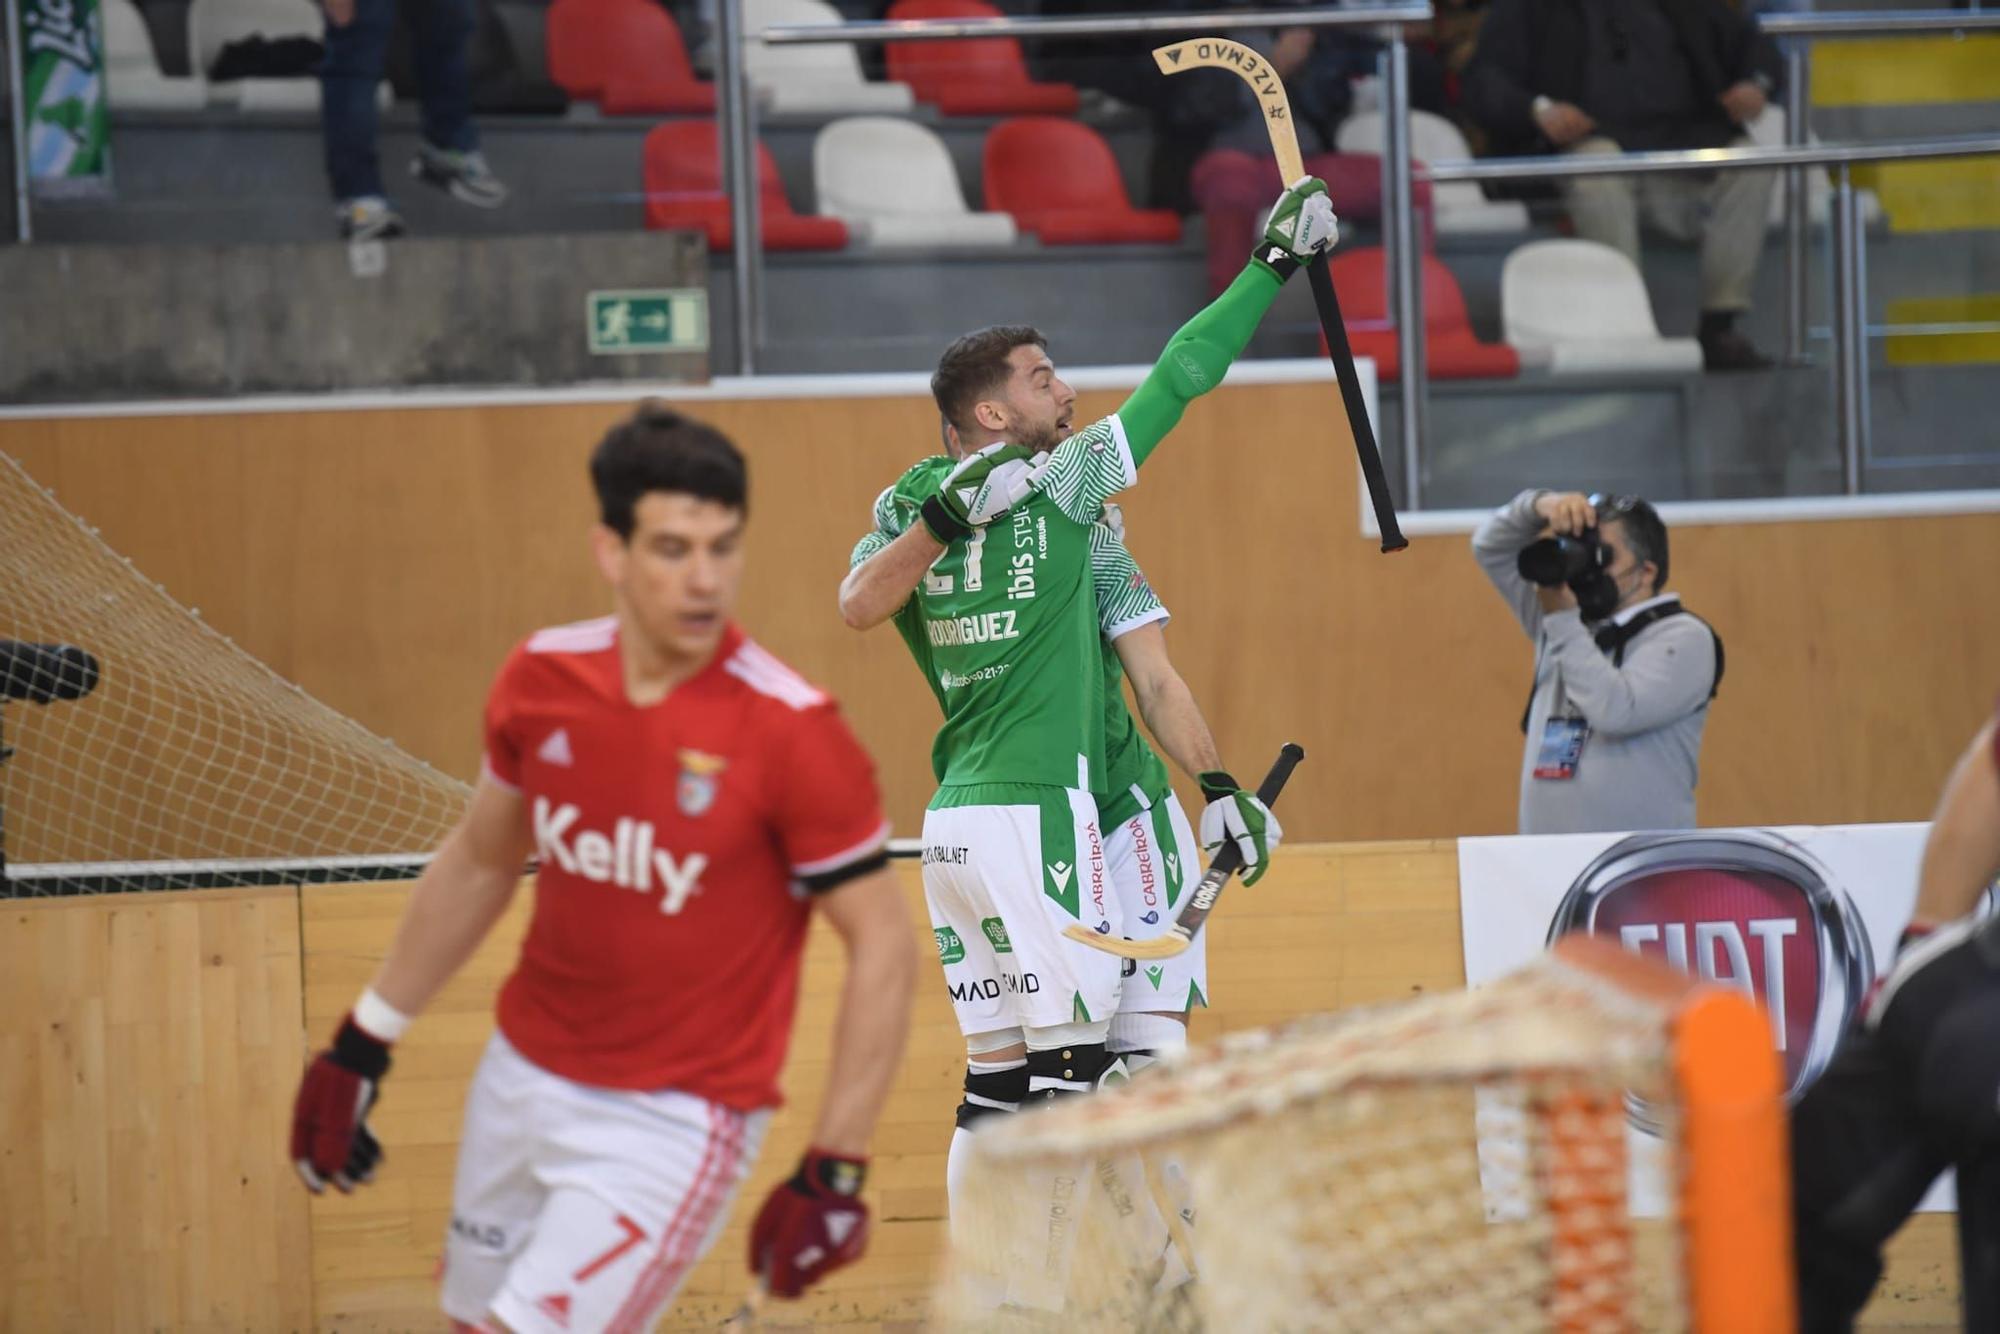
(1235, 179)
(1611, 76)
(357, 43)
(1623, 675)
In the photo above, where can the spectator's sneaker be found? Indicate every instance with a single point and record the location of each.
(1728, 350)
(464, 176)
(368, 218)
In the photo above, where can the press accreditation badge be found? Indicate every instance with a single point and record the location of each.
(1562, 745)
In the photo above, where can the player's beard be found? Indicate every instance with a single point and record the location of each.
(1042, 440)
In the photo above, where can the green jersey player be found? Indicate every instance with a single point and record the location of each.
(999, 610)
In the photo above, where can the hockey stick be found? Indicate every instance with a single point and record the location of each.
(1176, 938)
(1247, 65)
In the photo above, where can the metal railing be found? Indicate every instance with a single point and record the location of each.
(1795, 30)
(1850, 248)
(1387, 20)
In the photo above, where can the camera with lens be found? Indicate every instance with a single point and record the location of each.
(1581, 561)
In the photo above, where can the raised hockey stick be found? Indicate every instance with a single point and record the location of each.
(1247, 65)
(1176, 938)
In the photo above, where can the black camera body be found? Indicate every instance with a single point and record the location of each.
(1582, 561)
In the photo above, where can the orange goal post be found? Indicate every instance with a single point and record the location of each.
(1592, 1143)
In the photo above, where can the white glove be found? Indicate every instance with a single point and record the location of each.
(1306, 225)
(983, 486)
(1236, 815)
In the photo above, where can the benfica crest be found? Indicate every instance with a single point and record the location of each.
(700, 773)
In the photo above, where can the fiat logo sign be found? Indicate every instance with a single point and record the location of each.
(1742, 908)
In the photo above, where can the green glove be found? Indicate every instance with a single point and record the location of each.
(1235, 815)
(1301, 228)
(982, 487)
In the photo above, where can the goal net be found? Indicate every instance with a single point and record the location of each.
(138, 733)
(1452, 1162)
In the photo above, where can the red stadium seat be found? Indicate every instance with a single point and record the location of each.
(1452, 350)
(979, 76)
(684, 192)
(627, 55)
(1060, 182)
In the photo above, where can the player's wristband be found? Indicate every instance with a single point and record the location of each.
(1278, 259)
(822, 1173)
(941, 523)
(379, 1019)
(1215, 785)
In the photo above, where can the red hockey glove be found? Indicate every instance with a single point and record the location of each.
(811, 1225)
(330, 1137)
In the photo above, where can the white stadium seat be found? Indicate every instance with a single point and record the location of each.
(1461, 209)
(214, 24)
(893, 183)
(132, 78)
(1581, 308)
(822, 79)
(1768, 131)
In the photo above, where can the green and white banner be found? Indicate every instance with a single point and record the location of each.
(62, 80)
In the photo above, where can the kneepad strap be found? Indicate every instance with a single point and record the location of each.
(1066, 1071)
(991, 1093)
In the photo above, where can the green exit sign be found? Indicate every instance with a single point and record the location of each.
(663, 320)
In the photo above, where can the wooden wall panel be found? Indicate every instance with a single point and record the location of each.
(1329, 927)
(149, 1047)
(386, 560)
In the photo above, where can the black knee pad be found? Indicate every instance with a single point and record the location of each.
(1065, 1071)
(992, 1093)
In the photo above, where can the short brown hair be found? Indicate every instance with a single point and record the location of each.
(975, 365)
(658, 449)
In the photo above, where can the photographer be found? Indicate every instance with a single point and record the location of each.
(1623, 675)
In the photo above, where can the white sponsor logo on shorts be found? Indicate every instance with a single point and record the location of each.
(1059, 872)
(627, 858)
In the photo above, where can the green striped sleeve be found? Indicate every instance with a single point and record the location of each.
(1088, 469)
(1125, 601)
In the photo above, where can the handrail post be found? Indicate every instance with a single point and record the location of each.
(1407, 291)
(739, 177)
(1850, 332)
(17, 123)
(1797, 131)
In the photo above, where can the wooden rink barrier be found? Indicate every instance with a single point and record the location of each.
(386, 558)
(150, 1045)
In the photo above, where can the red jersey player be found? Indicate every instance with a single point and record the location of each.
(690, 800)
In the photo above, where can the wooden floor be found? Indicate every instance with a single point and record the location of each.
(149, 1046)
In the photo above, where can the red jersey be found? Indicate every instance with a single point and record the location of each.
(674, 840)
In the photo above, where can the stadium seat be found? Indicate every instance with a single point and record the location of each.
(982, 76)
(627, 56)
(1452, 351)
(214, 24)
(1060, 181)
(684, 192)
(1582, 307)
(893, 183)
(1461, 209)
(133, 80)
(821, 79)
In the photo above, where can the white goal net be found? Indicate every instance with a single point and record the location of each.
(139, 734)
(1452, 1162)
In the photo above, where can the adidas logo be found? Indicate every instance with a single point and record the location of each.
(556, 749)
(1059, 872)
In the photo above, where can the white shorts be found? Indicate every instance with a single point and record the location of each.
(577, 1209)
(1154, 859)
(1006, 868)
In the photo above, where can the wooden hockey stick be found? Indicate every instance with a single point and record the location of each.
(1176, 938)
(1247, 65)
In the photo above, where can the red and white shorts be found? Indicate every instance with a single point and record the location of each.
(577, 1209)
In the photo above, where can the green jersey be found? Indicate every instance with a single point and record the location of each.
(1005, 624)
(1133, 776)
